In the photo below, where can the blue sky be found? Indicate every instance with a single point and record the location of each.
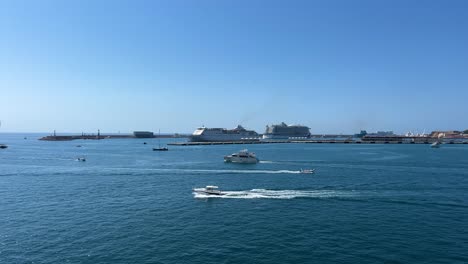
(336, 66)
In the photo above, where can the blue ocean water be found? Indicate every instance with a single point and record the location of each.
(128, 204)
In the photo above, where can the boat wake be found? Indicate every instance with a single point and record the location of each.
(231, 171)
(144, 171)
(278, 194)
(250, 171)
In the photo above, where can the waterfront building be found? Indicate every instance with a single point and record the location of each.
(143, 134)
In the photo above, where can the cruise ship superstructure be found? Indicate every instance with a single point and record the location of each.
(283, 132)
(204, 134)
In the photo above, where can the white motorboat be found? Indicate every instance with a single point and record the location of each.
(243, 156)
(306, 171)
(436, 144)
(209, 189)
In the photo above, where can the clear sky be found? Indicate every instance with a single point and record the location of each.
(336, 66)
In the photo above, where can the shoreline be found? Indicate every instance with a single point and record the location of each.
(100, 137)
(308, 142)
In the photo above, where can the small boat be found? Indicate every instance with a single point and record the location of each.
(160, 149)
(78, 146)
(436, 144)
(144, 143)
(243, 156)
(2, 146)
(307, 171)
(209, 189)
(82, 159)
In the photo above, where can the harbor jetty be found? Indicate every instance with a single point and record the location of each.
(99, 136)
(362, 138)
(239, 135)
(429, 141)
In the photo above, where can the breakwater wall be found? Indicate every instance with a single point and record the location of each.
(310, 142)
(103, 136)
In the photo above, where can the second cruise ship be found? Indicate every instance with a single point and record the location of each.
(283, 131)
(204, 134)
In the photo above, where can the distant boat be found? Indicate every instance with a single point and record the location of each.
(210, 189)
(243, 156)
(436, 144)
(2, 146)
(307, 171)
(159, 148)
(82, 159)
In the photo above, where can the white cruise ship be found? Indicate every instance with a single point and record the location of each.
(204, 134)
(283, 131)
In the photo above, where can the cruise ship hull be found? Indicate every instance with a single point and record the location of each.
(282, 137)
(286, 132)
(222, 138)
(239, 133)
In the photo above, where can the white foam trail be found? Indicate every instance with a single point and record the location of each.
(242, 171)
(266, 161)
(278, 194)
(210, 171)
(246, 171)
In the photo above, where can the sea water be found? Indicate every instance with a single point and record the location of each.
(129, 204)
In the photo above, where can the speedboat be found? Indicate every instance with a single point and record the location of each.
(81, 159)
(307, 171)
(436, 144)
(209, 189)
(243, 156)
